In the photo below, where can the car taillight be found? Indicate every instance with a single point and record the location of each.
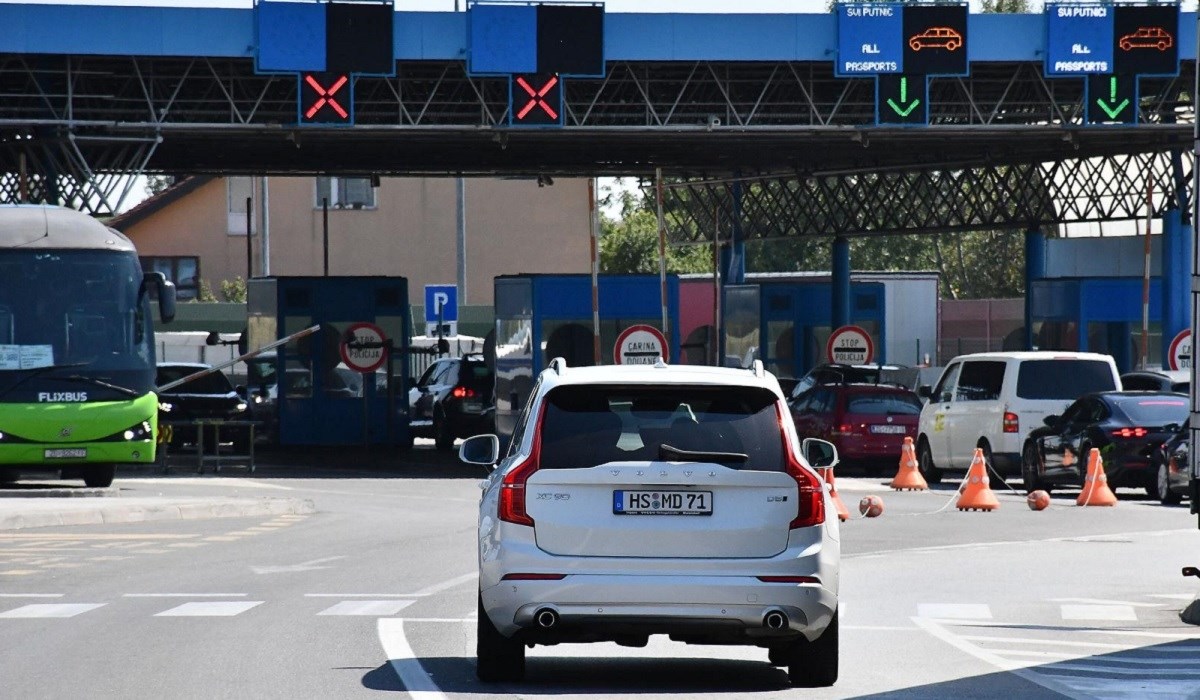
(512, 488)
(1012, 424)
(843, 429)
(810, 501)
(462, 392)
(1130, 432)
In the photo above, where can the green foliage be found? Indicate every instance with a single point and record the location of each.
(234, 290)
(1005, 6)
(205, 293)
(630, 243)
(158, 183)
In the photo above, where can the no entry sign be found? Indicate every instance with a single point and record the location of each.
(640, 345)
(363, 348)
(850, 345)
(1179, 355)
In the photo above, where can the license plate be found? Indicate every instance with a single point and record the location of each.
(472, 406)
(66, 453)
(662, 502)
(888, 429)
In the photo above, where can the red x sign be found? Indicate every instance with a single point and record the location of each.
(541, 105)
(319, 100)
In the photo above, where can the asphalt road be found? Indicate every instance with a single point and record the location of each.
(375, 593)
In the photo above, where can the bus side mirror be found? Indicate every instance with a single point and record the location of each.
(166, 294)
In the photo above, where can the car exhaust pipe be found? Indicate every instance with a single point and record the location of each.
(775, 620)
(546, 618)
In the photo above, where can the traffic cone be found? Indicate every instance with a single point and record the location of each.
(908, 477)
(843, 514)
(1095, 485)
(977, 495)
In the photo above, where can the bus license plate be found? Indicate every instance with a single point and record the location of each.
(66, 453)
(887, 429)
(662, 502)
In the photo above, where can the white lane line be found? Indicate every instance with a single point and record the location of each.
(446, 585)
(877, 628)
(1003, 543)
(1012, 666)
(185, 595)
(31, 595)
(374, 608)
(214, 481)
(1048, 642)
(1103, 668)
(51, 610)
(1112, 613)
(404, 662)
(360, 595)
(955, 611)
(1173, 596)
(209, 609)
(1098, 601)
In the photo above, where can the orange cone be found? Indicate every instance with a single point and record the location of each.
(1095, 485)
(977, 495)
(843, 514)
(908, 477)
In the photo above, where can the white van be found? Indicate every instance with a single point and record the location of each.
(992, 400)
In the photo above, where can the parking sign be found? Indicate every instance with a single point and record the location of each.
(444, 297)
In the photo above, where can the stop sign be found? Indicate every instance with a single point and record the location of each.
(363, 347)
(1179, 356)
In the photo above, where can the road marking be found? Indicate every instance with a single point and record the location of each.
(1113, 613)
(955, 611)
(213, 481)
(446, 585)
(51, 610)
(31, 595)
(1054, 642)
(312, 565)
(1000, 543)
(24, 536)
(17, 572)
(226, 609)
(375, 608)
(185, 595)
(1098, 601)
(1173, 596)
(1103, 668)
(404, 662)
(221, 538)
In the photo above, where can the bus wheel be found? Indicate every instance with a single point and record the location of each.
(99, 475)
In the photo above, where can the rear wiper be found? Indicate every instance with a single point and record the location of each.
(674, 454)
(101, 383)
(37, 372)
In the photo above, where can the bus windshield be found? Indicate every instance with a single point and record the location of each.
(70, 315)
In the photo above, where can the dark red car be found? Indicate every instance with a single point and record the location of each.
(866, 422)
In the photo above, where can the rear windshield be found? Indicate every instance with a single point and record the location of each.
(884, 404)
(474, 374)
(1155, 410)
(1063, 380)
(214, 383)
(594, 424)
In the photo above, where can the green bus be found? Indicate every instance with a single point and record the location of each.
(77, 362)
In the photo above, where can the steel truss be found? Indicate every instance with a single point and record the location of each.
(76, 125)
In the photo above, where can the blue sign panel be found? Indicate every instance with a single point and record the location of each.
(291, 37)
(1079, 39)
(503, 39)
(444, 297)
(870, 39)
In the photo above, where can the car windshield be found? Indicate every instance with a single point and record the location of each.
(587, 425)
(1063, 380)
(1155, 410)
(884, 404)
(213, 383)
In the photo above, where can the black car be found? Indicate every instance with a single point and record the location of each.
(833, 373)
(453, 399)
(208, 398)
(1126, 426)
(1176, 380)
(1172, 467)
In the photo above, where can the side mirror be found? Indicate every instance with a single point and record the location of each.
(483, 450)
(1050, 419)
(214, 338)
(819, 453)
(166, 294)
(925, 391)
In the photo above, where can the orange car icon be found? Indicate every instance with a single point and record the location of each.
(936, 38)
(1146, 38)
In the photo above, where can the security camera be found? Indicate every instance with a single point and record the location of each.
(713, 121)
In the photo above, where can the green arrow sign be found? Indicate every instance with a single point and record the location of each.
(903, 111)
(1111, 99)
(1112, 112)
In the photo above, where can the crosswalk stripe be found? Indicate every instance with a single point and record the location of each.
(51, 610)
(378, 608)
(210, 609)
(1113, 613)
(955, 611)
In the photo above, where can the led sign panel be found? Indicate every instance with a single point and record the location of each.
(1112, 99)
(337, 37)
(870, 39)
(935, 39)
(535, 99)
(326, 99)
(1146, 39)
(509, 39)
(901, 100)
(1079, 39)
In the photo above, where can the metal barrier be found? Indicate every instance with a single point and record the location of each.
(217, 459)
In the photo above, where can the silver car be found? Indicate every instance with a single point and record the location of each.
(645, 500)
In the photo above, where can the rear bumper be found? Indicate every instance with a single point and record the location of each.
(33, 455)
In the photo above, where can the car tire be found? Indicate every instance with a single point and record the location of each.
(497, 658)
(778, 655)
(815, 664)
(925, 465)
(443, 437)
(99, 475)
(1084, 451)
(1162, 488)
(1029, 472)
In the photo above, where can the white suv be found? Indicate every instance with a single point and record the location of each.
(992, 400)
(641, 500)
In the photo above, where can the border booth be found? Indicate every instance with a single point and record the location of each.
(1096, 315)
(556, 312)
(320, 400)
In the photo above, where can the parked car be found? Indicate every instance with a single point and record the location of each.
(866, 422)
(645, 500)
(210, 397)
(453, 399)
(1128, 427)
(1171, 467)
(992, 401)
(1177, 380)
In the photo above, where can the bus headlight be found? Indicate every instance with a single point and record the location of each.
(241, 407)
(139, 432)
(165, 407)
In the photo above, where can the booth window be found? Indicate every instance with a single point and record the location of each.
(184, 271)
(238, 190)
(345, 192)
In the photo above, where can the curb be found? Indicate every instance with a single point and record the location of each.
(146, 510)
(60, 492)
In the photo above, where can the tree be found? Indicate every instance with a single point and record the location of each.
(630, 243)
(156, 184)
